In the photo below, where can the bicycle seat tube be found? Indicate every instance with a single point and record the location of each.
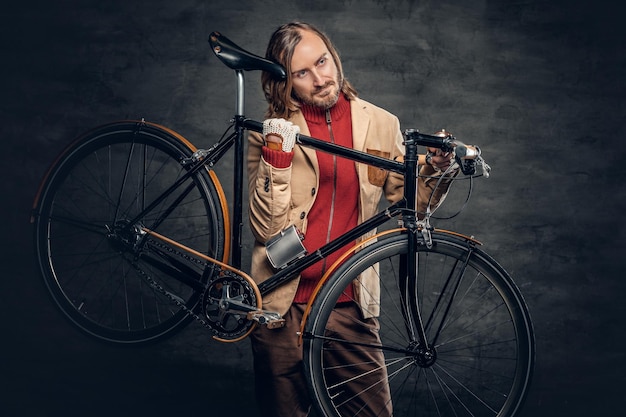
(237, 224)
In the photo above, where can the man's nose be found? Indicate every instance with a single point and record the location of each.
(317, 79)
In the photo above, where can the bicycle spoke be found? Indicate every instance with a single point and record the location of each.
(90, 240)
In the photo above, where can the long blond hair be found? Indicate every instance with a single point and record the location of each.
(279, 93)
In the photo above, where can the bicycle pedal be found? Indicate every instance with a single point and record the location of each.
(270, 319)
(276, 324)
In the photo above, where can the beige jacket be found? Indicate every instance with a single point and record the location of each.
(282, 197)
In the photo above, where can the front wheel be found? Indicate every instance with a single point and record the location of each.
(480, 352)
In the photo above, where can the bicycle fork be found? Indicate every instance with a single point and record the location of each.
(418, 234)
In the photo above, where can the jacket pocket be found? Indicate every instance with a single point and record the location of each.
(375, 175)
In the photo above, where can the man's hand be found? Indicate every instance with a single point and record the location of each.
(280, 134)
(438, 159)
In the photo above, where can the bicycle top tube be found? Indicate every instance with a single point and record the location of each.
(445, 143)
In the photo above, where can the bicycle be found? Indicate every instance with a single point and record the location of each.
(133, 237)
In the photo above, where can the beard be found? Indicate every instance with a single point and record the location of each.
(325, 101)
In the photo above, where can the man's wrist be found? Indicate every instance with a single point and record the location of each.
(277, 158)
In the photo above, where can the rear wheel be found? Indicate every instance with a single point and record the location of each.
(108, 277)
(482, 346)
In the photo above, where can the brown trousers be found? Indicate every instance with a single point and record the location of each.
(281, 387)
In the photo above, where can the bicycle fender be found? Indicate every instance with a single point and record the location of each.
(331, 270)
(350, 252)
(79, 139)
(139, 124)
(459, 235)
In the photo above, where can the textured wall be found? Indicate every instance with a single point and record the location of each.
(538, 84)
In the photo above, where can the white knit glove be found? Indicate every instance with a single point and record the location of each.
(284, 129)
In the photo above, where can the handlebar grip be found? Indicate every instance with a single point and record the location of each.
(470, 160)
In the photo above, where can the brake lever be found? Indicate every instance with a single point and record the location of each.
(468, 166)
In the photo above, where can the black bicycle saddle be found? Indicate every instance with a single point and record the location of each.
(237, 58)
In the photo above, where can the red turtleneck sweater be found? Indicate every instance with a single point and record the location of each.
(335, 210)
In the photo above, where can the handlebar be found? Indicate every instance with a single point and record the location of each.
(468, 157)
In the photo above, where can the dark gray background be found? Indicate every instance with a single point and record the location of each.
(538, 84)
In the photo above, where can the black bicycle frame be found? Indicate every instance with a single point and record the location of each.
(406, 208)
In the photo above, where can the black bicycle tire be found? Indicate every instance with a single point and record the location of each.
(169, 147)
(494, 274)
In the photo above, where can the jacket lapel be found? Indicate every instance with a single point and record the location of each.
(360, 123)
(360, 126)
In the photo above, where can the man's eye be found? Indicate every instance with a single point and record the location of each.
(301, 74)
(322, 61)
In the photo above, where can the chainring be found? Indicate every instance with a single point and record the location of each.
(217, 306)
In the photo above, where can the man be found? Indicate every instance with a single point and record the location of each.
(321, 194)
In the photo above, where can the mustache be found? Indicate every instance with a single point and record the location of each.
(327, 84)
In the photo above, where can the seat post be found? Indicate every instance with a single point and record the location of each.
(241, 94)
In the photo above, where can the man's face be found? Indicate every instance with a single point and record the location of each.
(314, 72)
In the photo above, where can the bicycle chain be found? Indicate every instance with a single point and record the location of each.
(162, 290)
(158, 287)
